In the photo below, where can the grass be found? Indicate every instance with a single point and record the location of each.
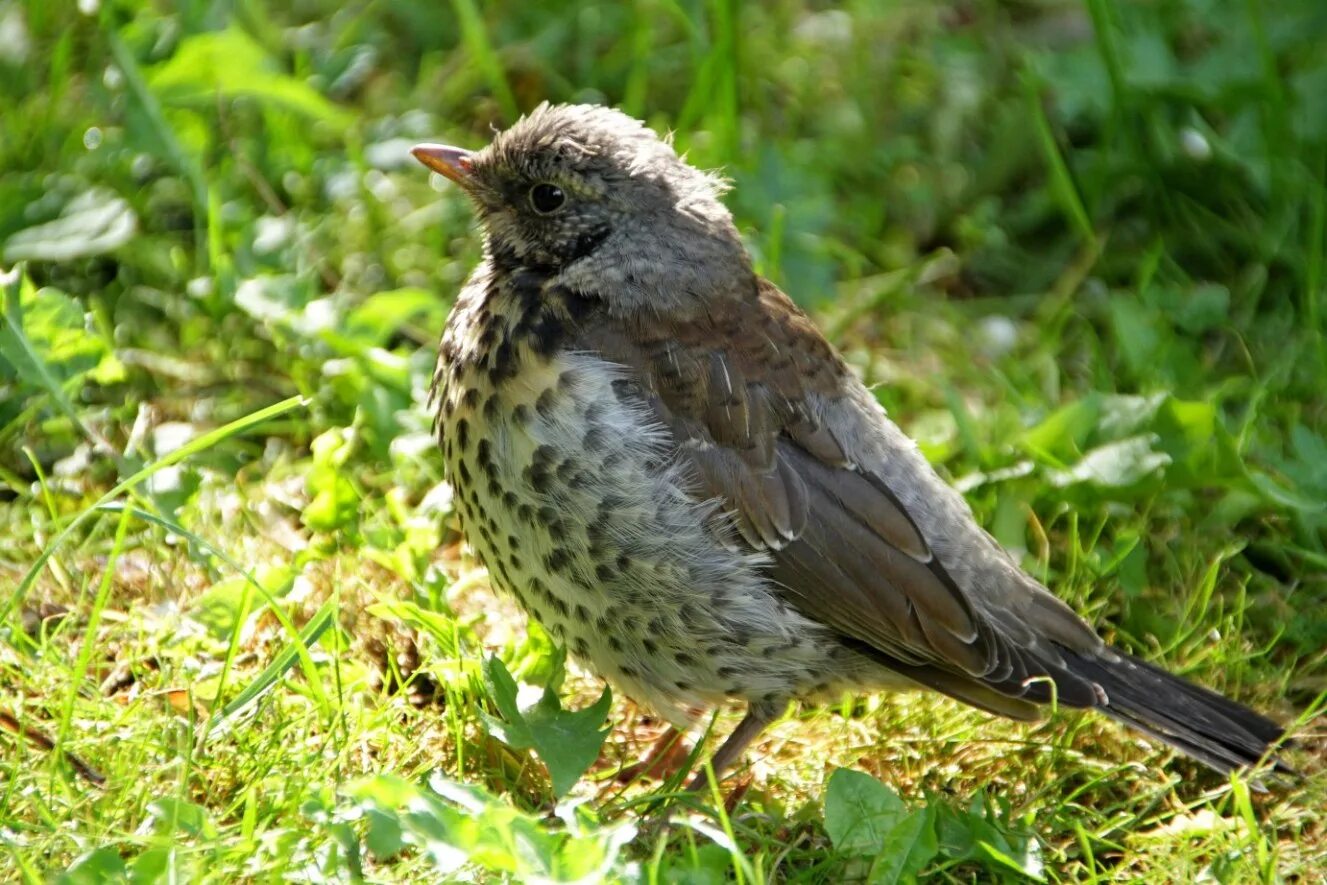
(1078, 250)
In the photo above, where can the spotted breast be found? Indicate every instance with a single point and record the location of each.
(569, 492)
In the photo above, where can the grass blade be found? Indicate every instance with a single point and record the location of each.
(475, 37)
(193, 447)
(297, 650)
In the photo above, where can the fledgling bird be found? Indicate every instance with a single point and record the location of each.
(660, 456)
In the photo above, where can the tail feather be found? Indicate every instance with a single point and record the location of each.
(1211, 728)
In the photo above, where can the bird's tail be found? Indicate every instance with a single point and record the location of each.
(1196, 721)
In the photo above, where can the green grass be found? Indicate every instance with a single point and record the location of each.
(1078, 249)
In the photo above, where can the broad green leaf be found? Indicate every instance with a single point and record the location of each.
(1117, 464)
(1311, 451)
(511, 728)
(977, 835)
(1027, 861)
(1230, 66)
(96, 867)
(1289, 498)
(1198, 309)
(1124, 415)
(45, 344)
(1138, 334)
(1310, 111)
(153, 865)
(43, 335)
(230, 63)
(865, 818)
(567, 741)
(383, 313)
(455, 825)
(171, 814)
(334, 500)
(383, 837)
(218, 608)
(93, 223)
(907, 848)
(708, 864)
(274, 298)
(1150, 64)
(1202, 451)
(384, 790)
(1060, 436)
(860, 811)
(1306, 469)
(224, 606)
(335, 503)
(1129, 438)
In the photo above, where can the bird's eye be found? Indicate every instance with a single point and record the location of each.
(547, 198)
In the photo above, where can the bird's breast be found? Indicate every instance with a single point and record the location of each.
(569, 492)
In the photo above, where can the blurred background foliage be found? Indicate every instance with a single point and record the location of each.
(217, 210)
(1077, 246)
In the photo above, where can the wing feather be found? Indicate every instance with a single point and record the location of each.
(767, 422)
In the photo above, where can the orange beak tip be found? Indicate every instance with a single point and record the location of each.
(450, 162)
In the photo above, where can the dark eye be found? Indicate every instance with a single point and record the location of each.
(547, 198)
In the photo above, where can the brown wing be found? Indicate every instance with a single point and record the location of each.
(776, 426)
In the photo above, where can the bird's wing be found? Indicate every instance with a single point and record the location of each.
(862, 534)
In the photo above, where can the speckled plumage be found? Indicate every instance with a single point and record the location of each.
(664, 461)
(569, 492)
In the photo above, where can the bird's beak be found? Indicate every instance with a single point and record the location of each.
(452, 162)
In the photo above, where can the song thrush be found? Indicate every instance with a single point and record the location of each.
(658, 454)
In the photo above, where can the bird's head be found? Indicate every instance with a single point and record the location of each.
(596, 201)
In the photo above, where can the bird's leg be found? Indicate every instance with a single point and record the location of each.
(666, 756)
(758, 717)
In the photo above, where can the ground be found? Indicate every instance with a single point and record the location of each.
(1077, 249)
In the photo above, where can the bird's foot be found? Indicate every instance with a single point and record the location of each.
(667, 756)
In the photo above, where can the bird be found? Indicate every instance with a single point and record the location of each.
(657, 453)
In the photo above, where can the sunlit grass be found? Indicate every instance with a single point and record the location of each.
(240, 636)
